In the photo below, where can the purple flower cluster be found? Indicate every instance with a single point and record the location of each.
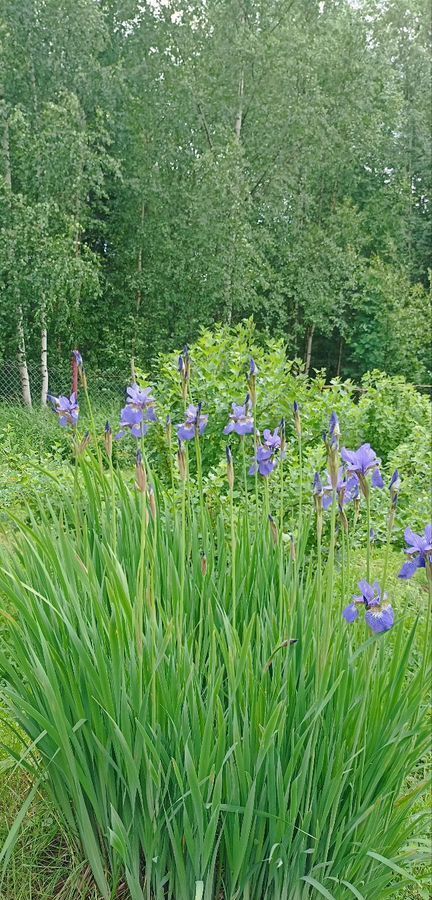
(419, 551)
(379, 614)
(66, 408)
(195, 424)
(241, 419)
(138, 412)
(347, 489)
(362, 461)
(267, 454)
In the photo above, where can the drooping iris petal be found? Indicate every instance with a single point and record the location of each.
(410, 568)
(415, 541)
(377, 479)
(380, 618)
(419, 548)
(351, 613)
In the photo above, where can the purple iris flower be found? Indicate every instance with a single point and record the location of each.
(132, 421)
(66, 408)
(267, 454)
(139, 410)
(194, 425)
(264, 462)
(272, 440)
(379, 614)
(241, 419)
(419, 550)
(360, 462)
(347, 489)
(141, 399)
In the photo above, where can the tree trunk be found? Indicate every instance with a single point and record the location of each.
(309, 348)
(339, 365)
(5, 146)
(239, 116)
(22, 361)
(138, 296)
(44, 361)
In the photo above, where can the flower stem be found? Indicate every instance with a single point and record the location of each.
(245, 487)
(92, 422)
(368, 543)
(332, 545)
(300, 452)
(200, 488)
(233, 560)
(390, 522)
(281, 547)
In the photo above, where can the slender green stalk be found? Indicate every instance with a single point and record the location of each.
(343, 568)
(200, 489)
(368, 536)
(245, 480)
(281, 547)
(93, 430)
(331, 555)
(300, 456)
(390, 523)
(233, 560)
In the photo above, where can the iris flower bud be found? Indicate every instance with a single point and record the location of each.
(293, 549)
(274, 530)
(140, 473)
(82, 446)
(394, 487)
(181, 460)
(230, 468)
(282, 429)
(253, 372)
(152, 501)
(297, 418)
(108, 440)
(168, 427)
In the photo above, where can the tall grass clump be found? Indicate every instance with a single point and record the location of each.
(205, 711)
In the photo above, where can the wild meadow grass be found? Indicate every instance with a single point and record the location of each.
(191, 701)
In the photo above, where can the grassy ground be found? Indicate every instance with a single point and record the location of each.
(46, 865)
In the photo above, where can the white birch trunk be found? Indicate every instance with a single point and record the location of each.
(22, 361)
(239, 116)
(309, 349)
(44, 361)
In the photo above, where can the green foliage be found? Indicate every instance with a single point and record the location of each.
(274, 162)
(175, 744)
(389, 409)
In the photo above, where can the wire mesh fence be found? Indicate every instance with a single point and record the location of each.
(106, 387)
